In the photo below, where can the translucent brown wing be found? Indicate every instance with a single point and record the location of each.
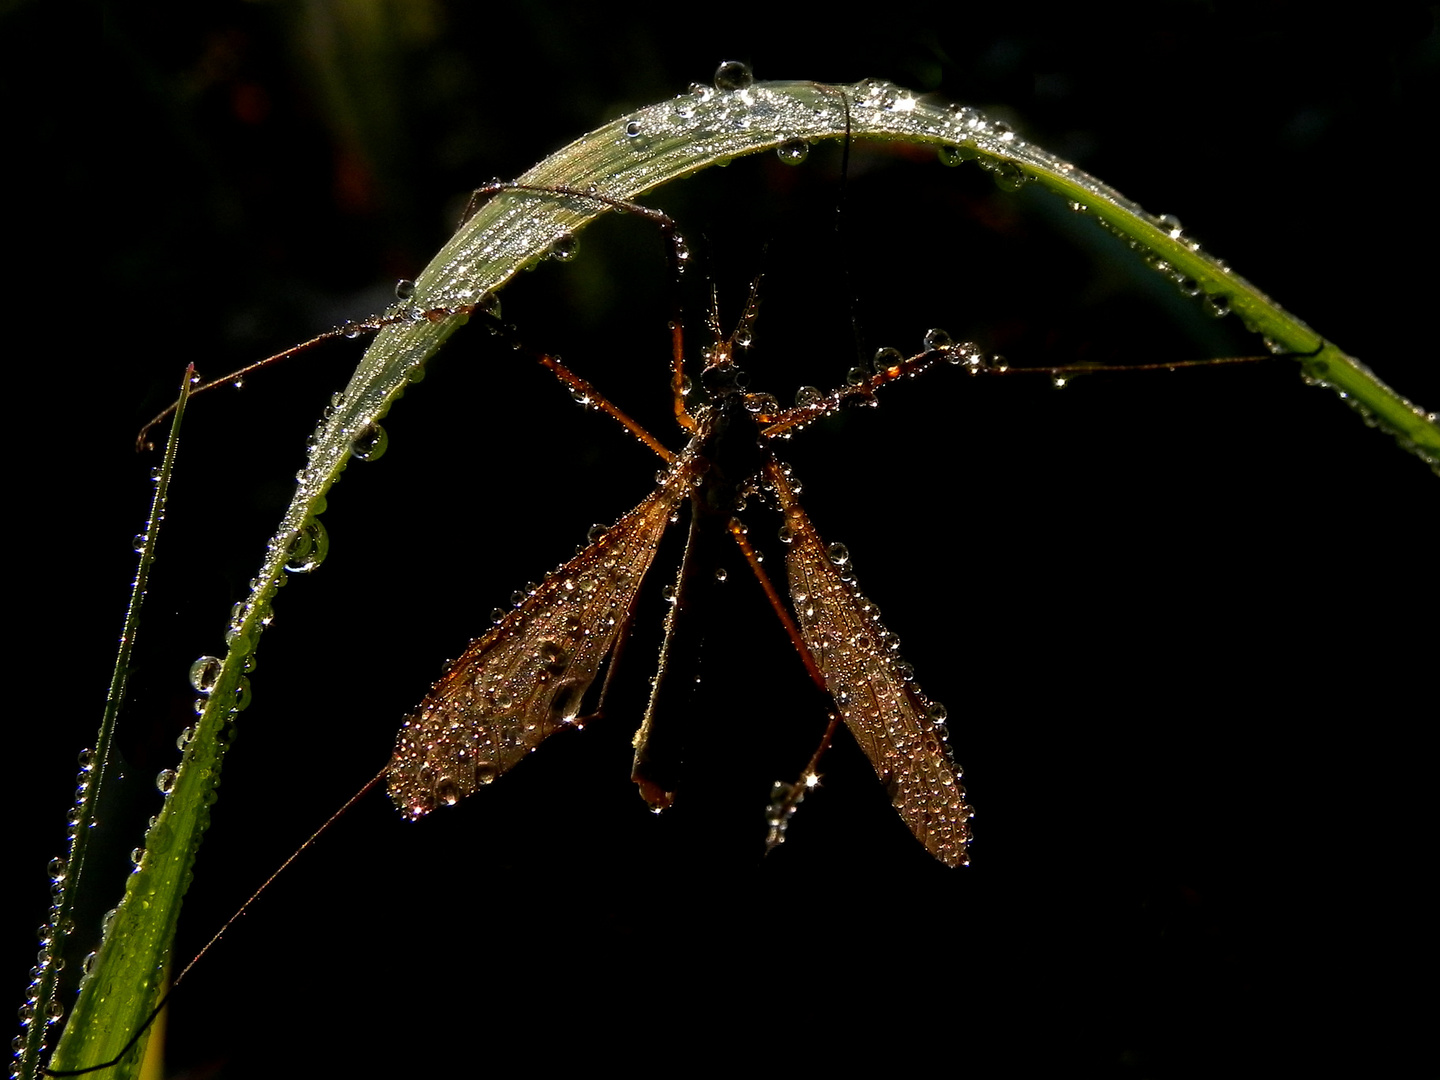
(902, 733)
(526, 677)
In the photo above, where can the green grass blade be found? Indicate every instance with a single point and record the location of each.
(95, 1012)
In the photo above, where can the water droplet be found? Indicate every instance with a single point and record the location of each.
(721, 574)
(733, 75)
(552, 657)
(308, 548)
(1009, 176)
(1217, 306)
(808, 395)
(564, 247)
(404, 289)
(963, 116)
(165, 782)
(56, 869)
(761, 404)
(139, 542)
(204, 673)
(632, 129)
(371, 443)
(565, 702)
(950, 156)
(971, 356)
(887, 359)
(793, 152)
(839, 554)
(86, 760)
(137, 856)
(937, 339)
(1171, 226)
(447, 790)
(856, 375)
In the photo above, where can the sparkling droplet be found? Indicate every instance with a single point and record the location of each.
(1171, 225)
(936, 340)
(308, 548)
(371, 443)
(733, 75)
(204, 673)
(165, 782)
(887, 359)
(951, 156)
(404, 289)
(565, 247)
(793, 152)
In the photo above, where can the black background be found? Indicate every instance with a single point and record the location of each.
(1183, 623)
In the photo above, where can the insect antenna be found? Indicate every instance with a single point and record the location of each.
(406, 313)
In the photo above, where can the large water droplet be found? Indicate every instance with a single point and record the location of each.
(308, 548)
(204, 673)
(564, 247)
(733, 75)
(371, 443)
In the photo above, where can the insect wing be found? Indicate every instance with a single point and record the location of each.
(902, 733)
(526, 677)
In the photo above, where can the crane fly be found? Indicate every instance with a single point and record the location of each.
(526, 677)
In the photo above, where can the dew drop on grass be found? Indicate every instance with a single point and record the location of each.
(793, 152)
(733, 75)
(371, 443)
(308, 548)
(204, 673)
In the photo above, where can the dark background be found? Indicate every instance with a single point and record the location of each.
(1183, 623)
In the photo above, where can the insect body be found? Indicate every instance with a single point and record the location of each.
(526, 677)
